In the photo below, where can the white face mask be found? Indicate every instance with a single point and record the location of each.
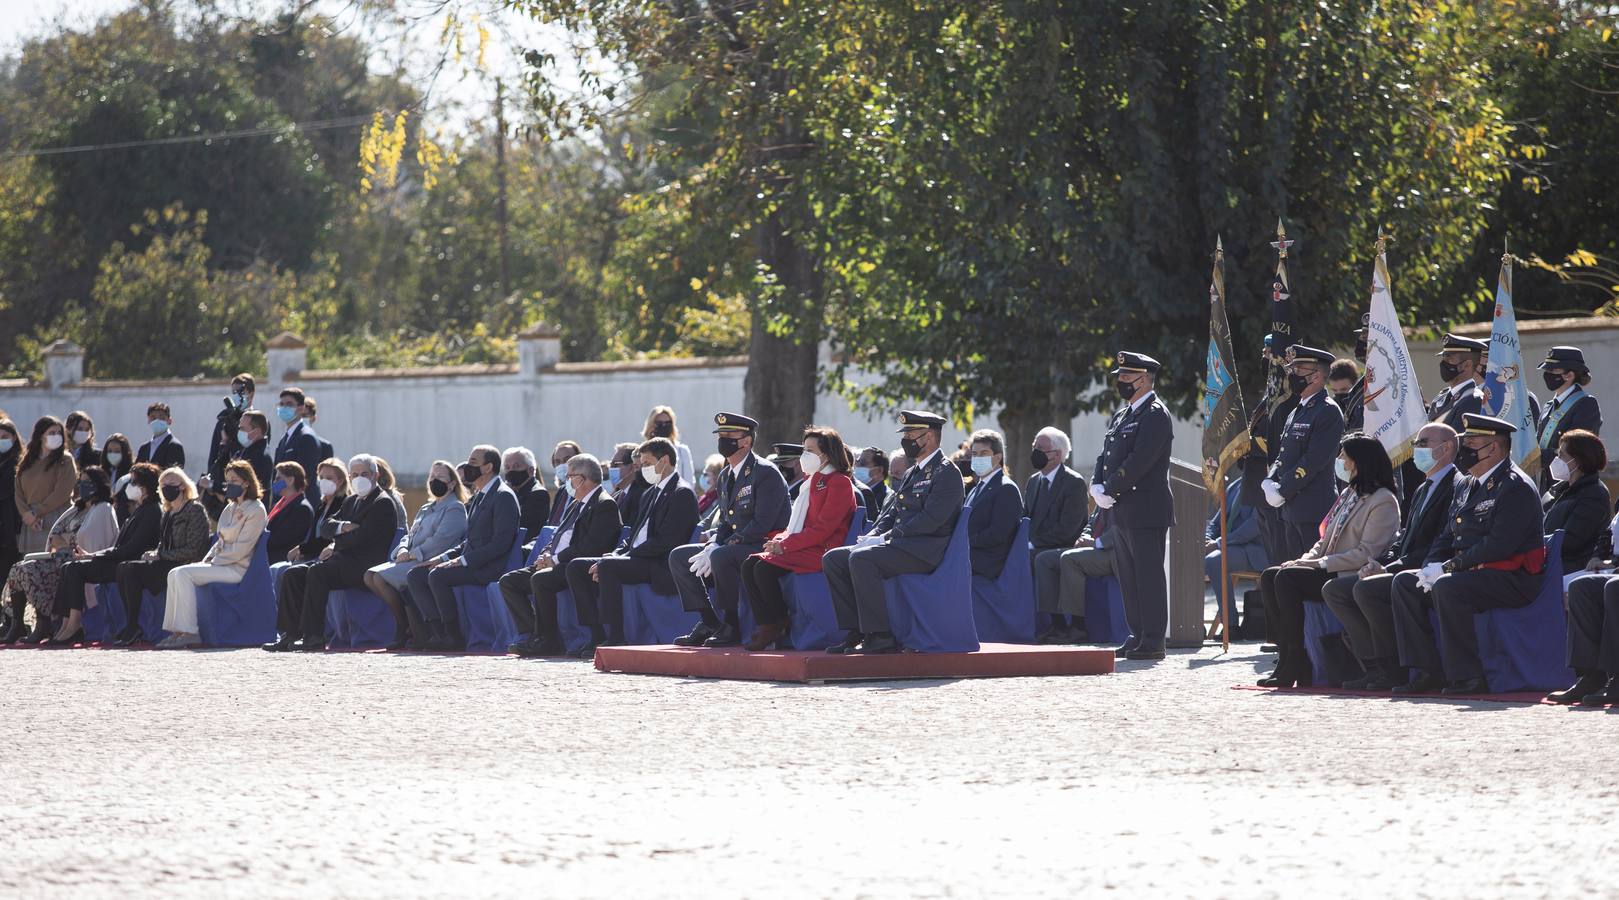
(114, 457)
(650, 473)
(53, 442)
(810, 462)
(134, 492)
(362, 485)
(1559, 469)
(81, 437)
(328, 487)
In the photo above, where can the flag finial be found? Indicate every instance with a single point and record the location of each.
(1382, 241)
(1281, 243)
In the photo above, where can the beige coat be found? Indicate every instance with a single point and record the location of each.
(1363, 537)
(239, 528)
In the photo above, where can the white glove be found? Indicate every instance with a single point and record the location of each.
(1430, 573)
(1273, 493)
(1099, 494)
(701, 565)
(868, 539)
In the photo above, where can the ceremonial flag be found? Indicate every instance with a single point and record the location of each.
(1394, 410)
(1281, 297)
(1225, 423)
(1505, 395)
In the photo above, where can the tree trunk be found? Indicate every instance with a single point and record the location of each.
(779, 389)
(1022, 423)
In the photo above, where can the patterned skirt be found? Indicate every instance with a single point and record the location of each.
(35, 578)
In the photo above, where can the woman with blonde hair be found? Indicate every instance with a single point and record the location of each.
(184, 540)
(440, 524)
(240, 524)
(660, 422)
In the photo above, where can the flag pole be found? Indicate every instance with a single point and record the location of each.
(1225, 580)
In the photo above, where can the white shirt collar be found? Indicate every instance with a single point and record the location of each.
(1135, 405)
(1051, 477)
(1443, 472)
(921, 463)
(1486, 475)
(1567, 389)
(493, 485)
(664, 483)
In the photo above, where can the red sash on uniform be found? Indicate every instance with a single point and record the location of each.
(1533, 562)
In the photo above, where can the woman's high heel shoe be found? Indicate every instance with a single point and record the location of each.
(76, 637)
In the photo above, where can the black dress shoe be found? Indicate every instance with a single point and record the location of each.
(1425, 682)
(1385, 679)
(1274, 679)
(76, 637)
(1603, 696)
(130, 636)
(1145, 653)
(308, 645)
(878, 642)
(1467, 686)
(727, 636)
(1125, 651)
(850, 642)
(1268, 648)
(588, 651)
(695, 638)
(1583, 687)
(280, 645)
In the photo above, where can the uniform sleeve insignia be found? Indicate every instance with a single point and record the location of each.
(1299, 473)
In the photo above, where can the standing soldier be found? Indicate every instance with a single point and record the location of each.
(1461, 365)
(1265, 427)
(1300, 482)
(1133, 474)
(1570, 407)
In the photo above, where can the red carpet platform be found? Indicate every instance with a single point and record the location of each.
(813, 666)
(1529, 697)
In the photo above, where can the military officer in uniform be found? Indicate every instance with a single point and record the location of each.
(785, 458)
(1491, 556)
(1132, 480)
(909, 537)
(1265, 428)
(1570, 407)
(752, 503)
(1300, 482)
(1461, 364)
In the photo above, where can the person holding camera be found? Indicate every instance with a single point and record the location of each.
(223, 447)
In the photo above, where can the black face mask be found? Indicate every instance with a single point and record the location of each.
(234, 491)
(1297, 383)
(1554, 380)
(663, 429)
(1360, 349)
(728, 446)
(469, 473)
(1037, 458)
(1126, 390)
(965, 466)
(1448, 371)
(1342, 399)
(439, 487)
(517, 477)
(1466, 457)
(87, 489)
(172, 492)
(911, 447)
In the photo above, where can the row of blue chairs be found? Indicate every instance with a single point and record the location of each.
(947, 610)
(1522, 649)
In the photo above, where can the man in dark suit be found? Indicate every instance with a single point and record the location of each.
(480, 558)
(589, 527)
(254, 440)
(223, 446)
(1132, 480)
(752, 504)
(521, 473)
(910, 537)
(1365, 603)
(1060, 577)
(667, 516)
(164, 450)
(298, 443)
(997, 505)
(1342, 381)
(871, 470)
(1570, 407)
(1054, 500)
(560, 454)
(1300, 483)
(1491, 556)
(361, 534)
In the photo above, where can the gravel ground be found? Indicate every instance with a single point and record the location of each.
(242, 773)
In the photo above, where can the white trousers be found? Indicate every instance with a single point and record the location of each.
(180, 606)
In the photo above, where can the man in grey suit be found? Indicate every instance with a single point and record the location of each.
(752, 503)
(480, 558)
(1054, 501)
(1132, 480)
(910, 537)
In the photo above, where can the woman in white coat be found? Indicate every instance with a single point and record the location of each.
(240, 526)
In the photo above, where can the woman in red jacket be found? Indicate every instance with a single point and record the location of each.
(820, 522)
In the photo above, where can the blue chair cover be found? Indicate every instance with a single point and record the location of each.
(933, 613)
(153, 606)
(1003, 607)
(107, 618)
(574, 636)
(812, 625)
(654, 618)
(478, 623)
(1523, 649)
(1104, 611)
(241, 614)
(1320, 626)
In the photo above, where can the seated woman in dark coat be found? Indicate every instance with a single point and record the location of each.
(1577, 501)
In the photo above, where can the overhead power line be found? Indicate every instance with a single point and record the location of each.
(265, 131)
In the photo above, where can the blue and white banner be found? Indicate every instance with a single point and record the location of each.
(1505, 395)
